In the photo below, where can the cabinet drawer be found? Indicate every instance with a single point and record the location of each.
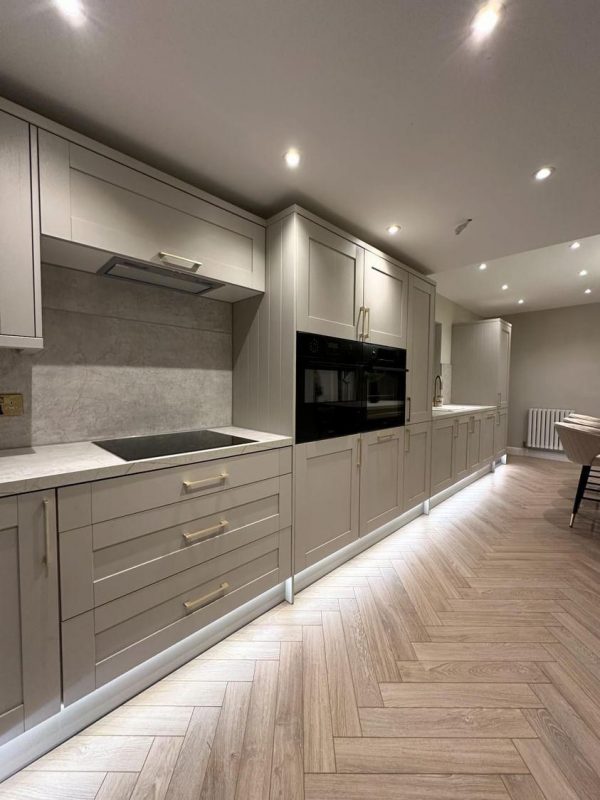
(117, 497)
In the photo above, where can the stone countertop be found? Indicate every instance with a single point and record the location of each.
(459, 411)
(31, 469)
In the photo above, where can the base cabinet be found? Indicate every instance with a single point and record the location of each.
(488, 427)
(443, 447)
(381, 477)
(501, 432)
(30, 678)
(474, 442)
(417, 464)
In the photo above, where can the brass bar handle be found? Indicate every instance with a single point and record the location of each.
(407, 441)
(382, 437)
(360, 314)
(192, 261)
(367, 322)
(408, 405)
(197, 536)
(205, 483)
(47, 535)
(199, 602)
(359, 456)
(456, 426)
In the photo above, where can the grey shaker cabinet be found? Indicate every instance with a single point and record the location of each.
(92, 200)
(30, 680)
(327, 482)
(481, 362)
(488, 426)
(381, 477)
(443, 453)
(417, 464)
(20, 293)
(501, 432)
(385, 302)
(421, 320)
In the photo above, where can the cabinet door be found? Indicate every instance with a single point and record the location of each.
(474, 442)
(504, 334)
(95, 201)
(488, 425)
(330, 282)
(381, 477)
(417, 464)
(442, 454)
(30, 689)
(419, 381)
(501, 432)
(385, 301)
(326, 498)
(20, 299)
(461, 448)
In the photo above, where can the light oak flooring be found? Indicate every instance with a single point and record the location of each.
(458, 659)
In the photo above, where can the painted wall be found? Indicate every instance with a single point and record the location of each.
(555, 363)
(119, 359)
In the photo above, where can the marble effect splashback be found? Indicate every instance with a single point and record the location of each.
(119, 359)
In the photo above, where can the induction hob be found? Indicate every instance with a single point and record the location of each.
(135, 448)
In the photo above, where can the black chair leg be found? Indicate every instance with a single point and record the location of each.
(583, 479)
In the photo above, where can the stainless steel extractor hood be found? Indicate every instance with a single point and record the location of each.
(165, 275)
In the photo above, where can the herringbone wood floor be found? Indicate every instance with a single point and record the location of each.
(459, 659)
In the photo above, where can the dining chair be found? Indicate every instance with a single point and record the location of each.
(581, 444)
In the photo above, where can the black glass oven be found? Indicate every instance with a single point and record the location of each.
(328, 387)
(384, 380)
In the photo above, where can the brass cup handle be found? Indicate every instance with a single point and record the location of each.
(206, 533)
(205, 483)
(193, 262)
(199, 602)
(47, 534)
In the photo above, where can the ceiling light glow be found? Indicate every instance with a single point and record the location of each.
(504, 287)
(520, 301)
(482, 267)
(574, 246)
(583, 273)
(393, 229)
(72, 10)
(588, 291)
(292, 158)
(486, 20)
(543, 173)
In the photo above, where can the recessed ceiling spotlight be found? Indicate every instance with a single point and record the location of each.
(543, 173)
(504, 287)
(482, 267)
(574, 246)
(588, 291)
(393, 229)
(583, 273)
(72, 10)
(520, 301)
(292, 158)
(486, 19)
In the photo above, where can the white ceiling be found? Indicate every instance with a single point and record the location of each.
(400, 115)
(544, 278)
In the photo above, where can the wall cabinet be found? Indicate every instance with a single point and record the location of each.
(481, 362)
(20, 289)
(30, 682)
(89, 199)
(385, 302)
(417, 464)
(421, 326)
(381, 477)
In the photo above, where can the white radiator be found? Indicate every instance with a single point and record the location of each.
(540, 427)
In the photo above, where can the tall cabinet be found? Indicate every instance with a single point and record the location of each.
(481, 362)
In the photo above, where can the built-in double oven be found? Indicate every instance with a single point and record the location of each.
(345, 387)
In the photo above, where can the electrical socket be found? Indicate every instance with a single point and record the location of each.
(11, 405)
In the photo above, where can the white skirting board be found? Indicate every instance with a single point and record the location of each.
(535, 453)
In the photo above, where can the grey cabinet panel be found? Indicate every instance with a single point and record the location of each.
(501, 432)
(11, 678)
(20, 297)
(421, 321)
(474, 442)
(329, 282)
(481, 362)
(381, 477)
(417, 464)
(114, 208)
(488, 424)
(443, 437)
(385, 301)
(461, 448)
(326, 498)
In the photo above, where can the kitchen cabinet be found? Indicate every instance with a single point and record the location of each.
(421, 322)
(326, 498)
(461, 448)
(417, 464)
(474, 442)
(488, 426)
(330, 282)
(381, 456)
(20, 283)
(30, 683)
(481, 362)
(385, 302)
(501, 432)
(443, 438)
(91, 200)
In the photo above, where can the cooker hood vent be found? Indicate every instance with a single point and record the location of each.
(165, 275)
